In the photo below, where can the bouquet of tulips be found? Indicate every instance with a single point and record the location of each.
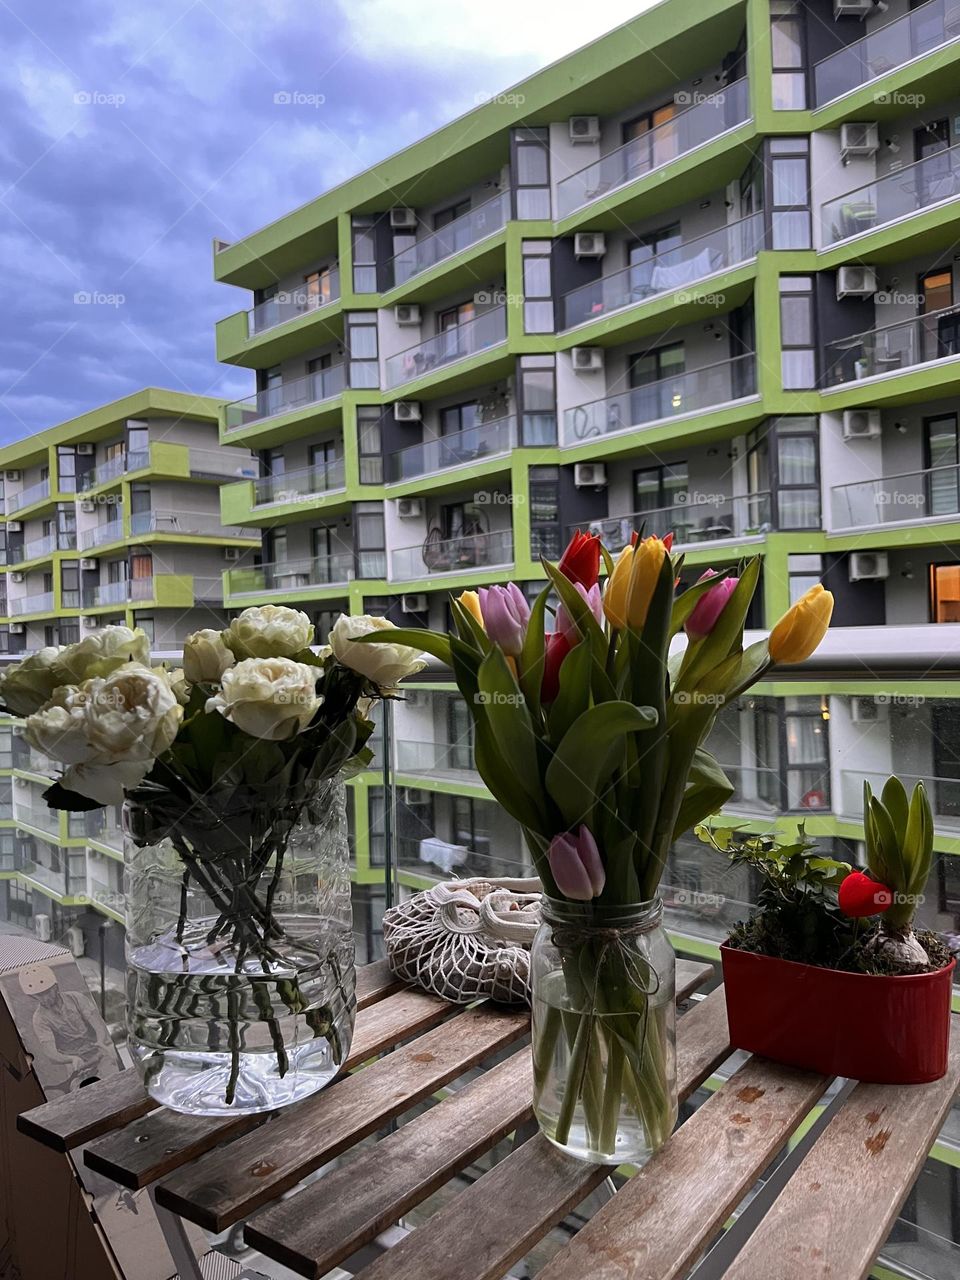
(590, 732)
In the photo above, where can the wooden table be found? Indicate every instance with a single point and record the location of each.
(824, 1210)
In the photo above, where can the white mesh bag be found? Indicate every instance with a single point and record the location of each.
(467, 939)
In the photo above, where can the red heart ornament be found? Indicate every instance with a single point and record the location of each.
(860, 895)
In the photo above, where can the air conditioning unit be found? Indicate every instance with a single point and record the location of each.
(403, 219)
(867, 711)
(88, 506)
(17, 629)
(416, 697)
(589, 244)
(12, 475)
(16, 577)
(407, 411)
(85, 450)
(75, 941)
(14, 526)
(587, 359)
(861, 424)
(42, 927)
(858, 138)
(584, 128)
(856, 282)
(415, 603)
(87, 563)
(232, 553)
(90, 622)
(853, 8)
(868, 566)
(409, 508)
(589, 475)
(406, 314)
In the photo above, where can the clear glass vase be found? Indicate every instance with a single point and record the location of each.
(240, 954)
(604, 1030)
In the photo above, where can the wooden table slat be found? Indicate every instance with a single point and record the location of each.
(834, 1214)
(530, 1191)
(691, 974)
(111, 1103)
(162, 1141)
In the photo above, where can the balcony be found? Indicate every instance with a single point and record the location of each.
(114, 468)
(460, 234)
(486, 330)
(922, 185)
(42, 603)
(733, 520)
(308, 483)
(944, 794)
(904, 40)
(304, 574)
(41, 548)
(481, 443)
(27, 497)
(167, 590)
(893, 348)
(436, 757)
(664, 273)
(453, 555)
(696, 391)
(101, 535)
(291, 305)
(908, 498)
(709, 118)
(289, 397)
(199, 524)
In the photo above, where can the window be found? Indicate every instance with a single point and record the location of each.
(323, 466)
(651, 140)
(276, 544)
(798, 473)
(138, 438)
(370, 444)
(945, 593)
(662, 489)
(147, 625)
(538, 400)
(789, 161)
(657, 382)
(803, 572)
(370, 539)
(364, 254)
(545, 533)
(66, 468)
(451, 213)
(537, 287)
(531, 174)
(641, 256)
(942, 456)
(274, 462)
(140, 499)
(70, 584)
(317, 288)
(66, 527)
(362, 347)
(788, 39)
(798, 342)
(946, 765)
(806, 726)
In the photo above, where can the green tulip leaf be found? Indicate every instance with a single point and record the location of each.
(707, 791)
(531, 662)
(432, 642)
(895, 801)
(590, 752)
(574, 696)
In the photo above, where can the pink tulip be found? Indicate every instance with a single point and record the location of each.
(565, 624)
(505, 617)
(576, 865)
(706, 612)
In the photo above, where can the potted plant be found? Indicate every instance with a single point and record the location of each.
(829, 974)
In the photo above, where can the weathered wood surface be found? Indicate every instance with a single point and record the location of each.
(831, 1219)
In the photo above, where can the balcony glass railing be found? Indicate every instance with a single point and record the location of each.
(675, 269)
(431, 757)
(310, 571)
(486, 330)
(27, 497)
(721, 519)
(294, 486)
(453, 555)
(473, 444)
(291, 303)
(906, 498)
(289, 397)
(463, 232)
(41, 547)
(694, 391)
(41, 603)
(944, 793)
(116, 467)
(215, 464)
(917, 341)
(101, 535)
(917, 33)
(897, 195)
(710, 116)
(188, 523)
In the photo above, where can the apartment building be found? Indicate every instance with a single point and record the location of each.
(112, 517)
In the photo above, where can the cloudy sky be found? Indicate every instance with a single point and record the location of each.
(132, 132)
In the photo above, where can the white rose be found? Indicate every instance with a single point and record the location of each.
(270, 631)
(385, 664)
(272, 698)
(101, 653)
(25, 687)
(205, 657)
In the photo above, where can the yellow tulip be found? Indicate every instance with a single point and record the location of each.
(630, 587)
(802, 627)
(471, 602)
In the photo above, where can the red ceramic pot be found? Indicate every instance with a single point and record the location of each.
(887, 1030)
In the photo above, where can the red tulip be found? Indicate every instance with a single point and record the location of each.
(556, 647)
(581, 560)
(860, 895)
(706, 612)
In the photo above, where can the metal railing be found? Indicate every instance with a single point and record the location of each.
(41, 603)
(40, 547)
(453, 555)
(693, 391)
(308, 571)
(896, 195)
(903, 498)
(666, 272)
(722, 519)
(889, 348)
(101, 534)
(299, 393)
(709, 117)
(911, 36)
(289, 304)
(294, 486)
(486, 330)
(27, 497)
(472, 444)
(462, 233)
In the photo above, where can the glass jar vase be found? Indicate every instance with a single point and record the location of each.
(604, 1030)
(240, 953)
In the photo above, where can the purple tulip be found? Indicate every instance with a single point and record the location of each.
(576, 865)
(566, 625)
(706, 612)
(505, 616)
